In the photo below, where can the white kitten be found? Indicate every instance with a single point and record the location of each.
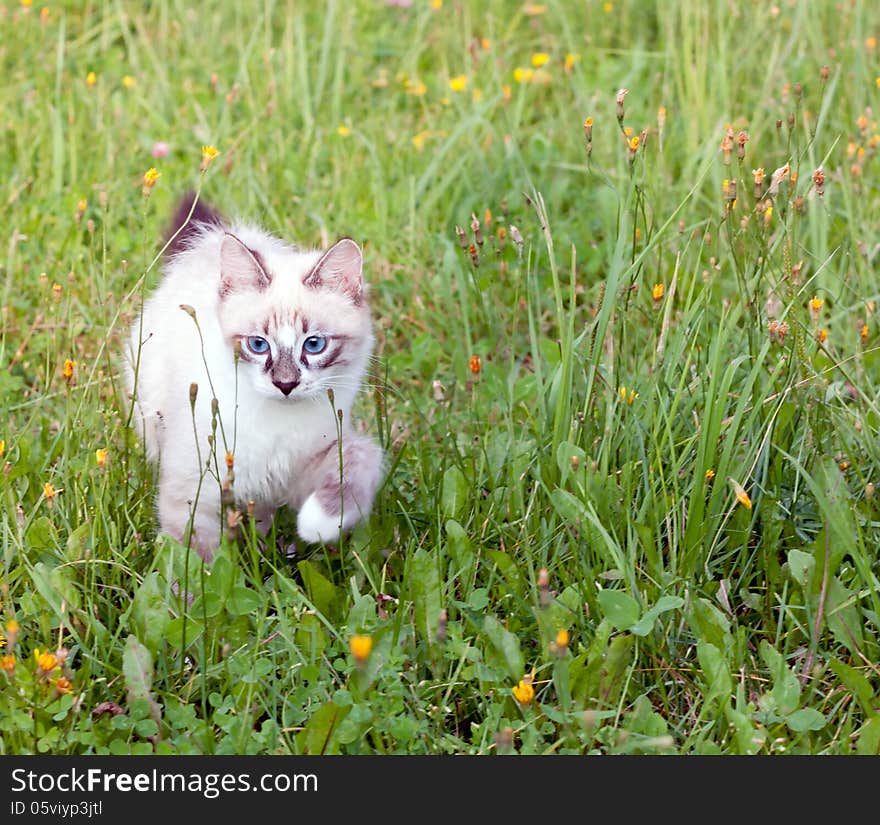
(301, 321)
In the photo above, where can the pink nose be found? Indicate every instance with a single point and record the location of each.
(285, 386)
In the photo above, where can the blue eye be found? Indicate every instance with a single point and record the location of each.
(315, 344)
(257, 345)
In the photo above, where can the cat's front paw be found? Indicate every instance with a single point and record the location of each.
(314, 524)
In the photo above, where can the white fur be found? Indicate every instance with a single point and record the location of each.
(275, 439)
(314, 524)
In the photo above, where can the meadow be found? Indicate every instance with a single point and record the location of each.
(622, 261)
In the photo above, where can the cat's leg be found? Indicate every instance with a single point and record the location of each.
(331, 504)
(178, 503)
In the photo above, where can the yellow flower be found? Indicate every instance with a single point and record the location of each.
(540, 59)
(475, 364)
(7, 663)
(634, 143)
(208, 154)
(822, 336)
(343, 131)
(69, 369)
(2, 641)
(627, 396)
(863, 333)
(416, 88)
(436, 4)
(128, 81)
(608, 7)
(657, 292)
(768, 216)
(150, 178)
(2, 447)
(62, 684)
(458, 83)
(741, 495)
(570, 60)
(521, 75)
(419, 140)
(101, 457)
(816, 304)
(91, 79)
(360, 647)
(524, 693)
(49, 491)
(12, 629)
(46, 662)
(563, 637)
(710, 474)
(534, 9)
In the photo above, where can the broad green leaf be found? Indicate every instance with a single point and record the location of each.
(242, 601)
(858, 685)
(425, 589)
(362, 614)
(786, 689)
(41, 534)
(869, 738)
(621, 609)
(454, 492)
(565, 452)
(805, 719)
(506, 645)
(175, 629)
(149, 613)
(569, 508)
(222, 577)
(709, 624)
(646, 623)
(310, 636)
(78, 541)
(612, 674)
(801, 566)
(716, 673)
(749, 739)
(843, 617)
(321, 592)
(137, 668)
(320, 735)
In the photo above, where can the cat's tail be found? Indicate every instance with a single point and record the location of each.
(190, 218)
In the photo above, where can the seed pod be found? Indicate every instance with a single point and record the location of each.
(475, 228)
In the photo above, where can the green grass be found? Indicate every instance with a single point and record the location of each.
(568, 484)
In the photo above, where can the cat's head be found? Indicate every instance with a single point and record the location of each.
(300, 318)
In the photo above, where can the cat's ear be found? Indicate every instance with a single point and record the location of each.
(341, 268)
(240, 268)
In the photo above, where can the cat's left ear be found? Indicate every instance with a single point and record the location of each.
(240, 267)
(341, 268)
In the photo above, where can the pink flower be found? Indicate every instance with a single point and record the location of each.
(160, 149)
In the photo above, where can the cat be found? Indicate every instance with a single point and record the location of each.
(280, 337)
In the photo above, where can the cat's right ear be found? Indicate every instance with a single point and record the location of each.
(240, 267)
